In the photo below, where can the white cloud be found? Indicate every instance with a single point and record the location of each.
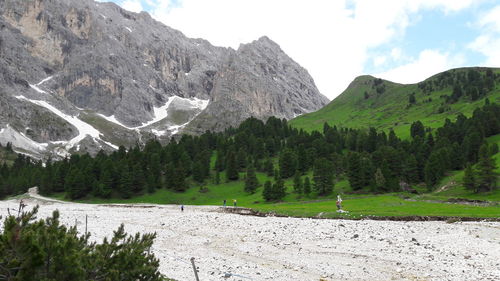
(492, 19)
(133, 6)
(396, 53)
(331, 39)
(379, 60)
(428, 63)
(489, 46)
(488, 43)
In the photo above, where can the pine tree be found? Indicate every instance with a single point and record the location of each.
(469, 179)
(169, 175)
(231, 167)
(8, 147)
(75, 186)
(417, 129)
(433, 170)
(59, 177)
(302, 159)
(48, 250)
(297, 183)
(217, 177)
(412, 99)
(410, 169)
(125, 183)
(198, 174)
(251, 181)
(279, 189)
(179, 179)
(269, 168)
(393, 139)
(267, 193)
(219, 161)
(323, 176)
(287, 163)
(486, 166)
(154, 177)
(379, 179)
(354, 171)
(46, 183)
(307, 186)
(138, 180)
(241, 159)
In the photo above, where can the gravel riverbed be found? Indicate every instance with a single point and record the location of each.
(235, 247)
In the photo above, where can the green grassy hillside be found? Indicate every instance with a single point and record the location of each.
(372, 102)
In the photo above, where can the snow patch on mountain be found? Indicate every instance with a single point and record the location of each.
(20, 140)
(113, 120)
(36, 88)
(160, 113)
(84, 129)
(159, 133)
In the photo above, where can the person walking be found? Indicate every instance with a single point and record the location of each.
(234, 203)
(339, 203)
(224, 203)
(182, 208)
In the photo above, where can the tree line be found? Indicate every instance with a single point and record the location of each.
(371, 160)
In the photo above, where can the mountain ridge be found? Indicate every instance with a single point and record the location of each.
(374, 102)
(102, 63)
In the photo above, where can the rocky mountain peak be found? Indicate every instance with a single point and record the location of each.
(130, 77)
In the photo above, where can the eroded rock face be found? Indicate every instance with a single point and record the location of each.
(105, 60)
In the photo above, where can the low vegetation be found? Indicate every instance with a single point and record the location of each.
(47, 250)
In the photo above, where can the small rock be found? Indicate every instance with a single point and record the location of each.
(355, 236)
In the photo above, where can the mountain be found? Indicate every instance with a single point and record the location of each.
(378, 103)
(79, 75)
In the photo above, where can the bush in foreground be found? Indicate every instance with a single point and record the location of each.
(47, 250)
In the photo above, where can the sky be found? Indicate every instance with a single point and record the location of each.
(405, 41)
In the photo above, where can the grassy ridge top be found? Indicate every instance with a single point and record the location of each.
(384, 105)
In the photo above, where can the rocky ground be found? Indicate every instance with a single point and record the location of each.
(234, 247)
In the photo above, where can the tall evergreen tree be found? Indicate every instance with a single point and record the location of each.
(297, 183)
(231, 166)
(154, 171)
(486, 166)
(179, 180)
(75, 185)
(417, 129)
(380, 181)
(267, 193)
(279, 190)
(138, 180)
(269, 167)
(198, 173)
(288, 163)
(354, 171)
(307, 186)
(433, 170)
(323, 176)
(469, 179)
(251, 181)
(125, 187)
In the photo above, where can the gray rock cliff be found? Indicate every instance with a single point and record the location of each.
(129, 77)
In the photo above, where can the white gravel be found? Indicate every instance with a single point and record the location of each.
(256, 248)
